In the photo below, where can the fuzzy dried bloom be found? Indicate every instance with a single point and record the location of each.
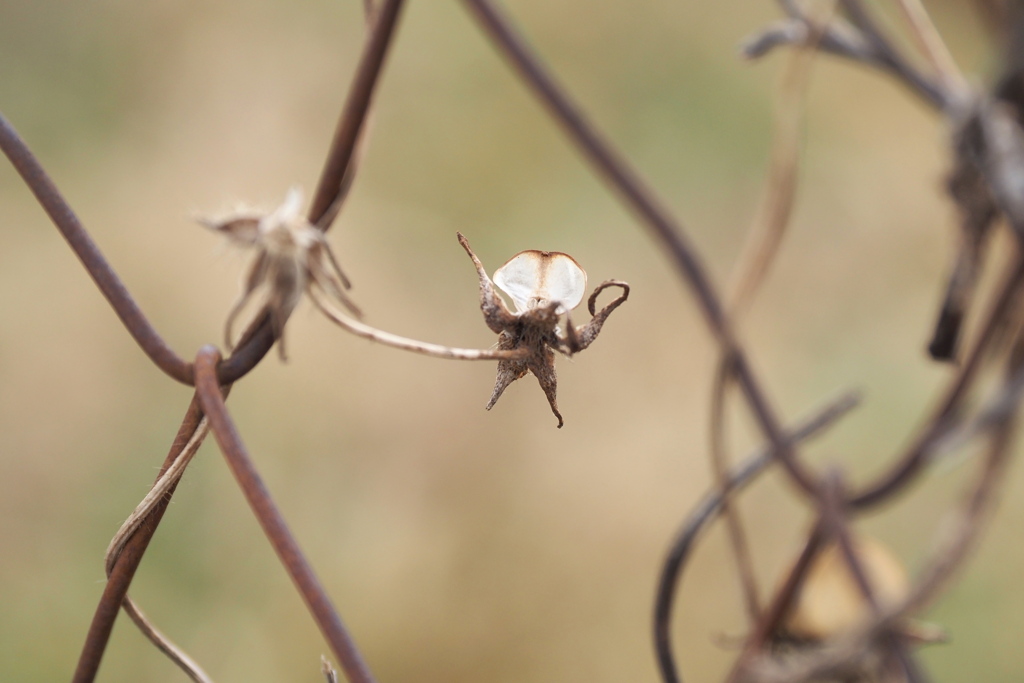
(544, 286)
(292, 257)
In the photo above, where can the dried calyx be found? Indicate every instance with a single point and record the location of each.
(292, 257)
(543, 286)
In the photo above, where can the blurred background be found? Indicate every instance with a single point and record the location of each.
(459, 545)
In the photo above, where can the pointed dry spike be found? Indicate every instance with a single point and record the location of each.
(334, 262)
(508, 371)
(496, 313)
(330, 284)
(545, 374)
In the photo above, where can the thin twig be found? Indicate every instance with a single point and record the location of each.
(272, 522)
(862, 42)
(780, 606)
(164, 483)
(776, 209)
(760, 249)
(179, 657)
(720, 468)
(965, 528)
(404, 343)
(834, 520)
(892, 60)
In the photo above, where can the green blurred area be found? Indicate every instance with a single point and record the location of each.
(459, 545)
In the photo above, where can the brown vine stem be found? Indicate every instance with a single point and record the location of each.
(336, 175)
(613, 168)
(144, 334)
(123, 571)
(330, 189)
(271, 521)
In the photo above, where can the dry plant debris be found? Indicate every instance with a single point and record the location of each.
(544, 286)
(292, 257)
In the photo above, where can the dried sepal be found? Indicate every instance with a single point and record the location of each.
(496, 313)
(291, 256)
(579, 338)
(544, 286)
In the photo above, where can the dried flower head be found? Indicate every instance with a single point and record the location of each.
(543, 286)
(292, 257)
(831, 603)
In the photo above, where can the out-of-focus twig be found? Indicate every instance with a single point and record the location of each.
(720, 466)
(776, 208)
(930, 42)
(907, 465)
(859, 40)
(706, 511)
(837, 657)
(760, 249)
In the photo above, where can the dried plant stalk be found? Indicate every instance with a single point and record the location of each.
(404, 343)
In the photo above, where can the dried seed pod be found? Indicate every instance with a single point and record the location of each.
(830, 602)
(544, 286)
(534, 279)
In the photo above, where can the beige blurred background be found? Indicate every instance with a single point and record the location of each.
(459, 545)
